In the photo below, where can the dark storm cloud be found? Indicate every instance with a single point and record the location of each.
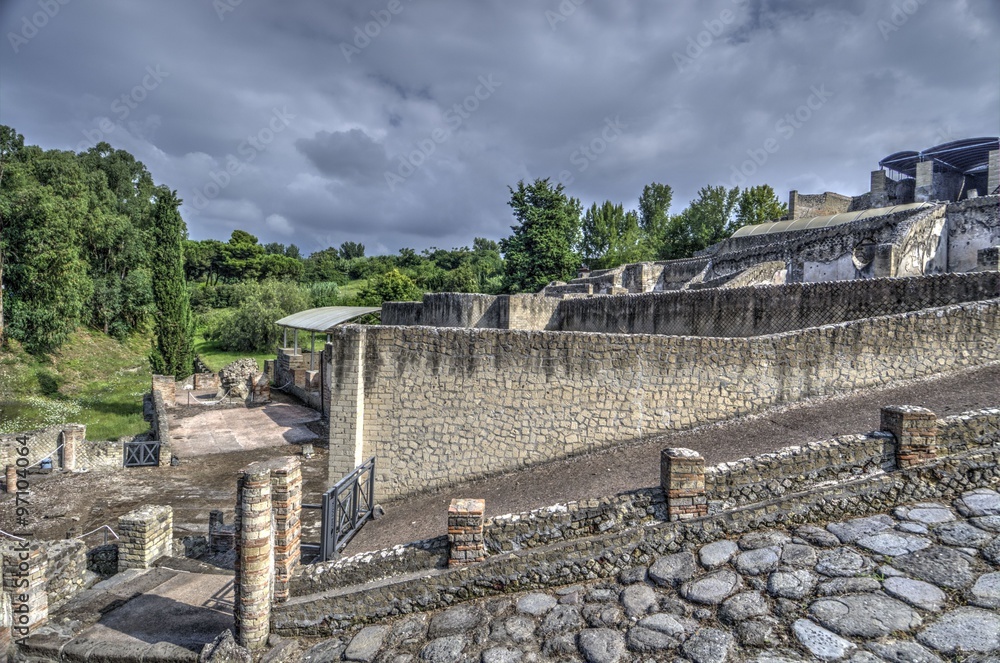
(389, 137)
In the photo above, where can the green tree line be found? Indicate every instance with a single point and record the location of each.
(90, 239)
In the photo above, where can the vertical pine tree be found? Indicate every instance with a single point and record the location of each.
(173, 348)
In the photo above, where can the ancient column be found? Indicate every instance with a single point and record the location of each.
(682, 477)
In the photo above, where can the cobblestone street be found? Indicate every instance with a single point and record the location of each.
(918, 584)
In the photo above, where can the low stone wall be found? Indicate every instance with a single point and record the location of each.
(604, 556)
(42, 443)
(474, 311)
(65, 570)
(440, 406)
(759, 310)
(161, 425)
(66, 445)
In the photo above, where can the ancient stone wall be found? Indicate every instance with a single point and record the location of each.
(973, 225)
(65, 570)
(146, 534)
(758, 310)
(603, 556)
(438, 406)
(450, 309)
(805, 205)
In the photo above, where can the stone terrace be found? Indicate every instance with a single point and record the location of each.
(921, 583)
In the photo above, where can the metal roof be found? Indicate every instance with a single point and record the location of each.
(326, 318)
(969, 155)
(823, 221)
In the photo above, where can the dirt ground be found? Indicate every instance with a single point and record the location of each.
(81, 502)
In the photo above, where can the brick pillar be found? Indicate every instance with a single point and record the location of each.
(254, 560)
(915, 430)
(465, 532)
(347, 401)
(166, 385)
(286, 505)
(72, 436)
(682, 477)
(11, 475)
(24, 579)
(146, 535)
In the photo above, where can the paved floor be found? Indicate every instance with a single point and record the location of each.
(214, 431)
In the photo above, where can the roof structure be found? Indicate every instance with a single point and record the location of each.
(823, 221)
(966, 156)
(324, 319)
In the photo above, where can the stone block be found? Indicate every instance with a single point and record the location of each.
(682, 478)
(915, 430)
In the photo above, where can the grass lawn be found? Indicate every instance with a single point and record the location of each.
(216, 358)
(93, 380)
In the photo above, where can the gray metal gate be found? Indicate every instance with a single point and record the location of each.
(346, 508)
(142, 454)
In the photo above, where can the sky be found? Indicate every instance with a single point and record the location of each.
(402, 123)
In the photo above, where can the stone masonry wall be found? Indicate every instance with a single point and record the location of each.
(146, 534)
(973, 225)
(604, 556)
(438, 406)
(66, 570)
(759, 310)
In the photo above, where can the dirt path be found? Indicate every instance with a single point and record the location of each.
(638, 466)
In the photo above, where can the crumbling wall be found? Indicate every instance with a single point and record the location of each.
(973, 225)
(439, 406)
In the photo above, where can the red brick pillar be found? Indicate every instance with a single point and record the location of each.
(286, 505)
(24, 579)
(682, 477)
(11, 479)
(72, 436)
(915, 430)
(465, 532)
(254, 572)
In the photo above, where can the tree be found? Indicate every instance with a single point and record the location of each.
(173, 347)
(541, 249)
(654, 215)
(611, 236)
(46, 287)
(11, 147)
(759, 204)
(392, 286)
(349, 250)
(710, 218)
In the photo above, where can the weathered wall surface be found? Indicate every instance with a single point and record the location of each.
(449, 309)
(806, 205)
(42, 443)
(973, 225)
(580, 560)
(438, 406)
(66, 570)
(759, 310)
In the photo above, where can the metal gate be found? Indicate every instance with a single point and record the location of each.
(142, 454)
(346, 508)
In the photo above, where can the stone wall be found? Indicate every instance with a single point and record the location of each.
(42, 443)
(439, 406)
(145, 535)
(973, 225)
(759, 310)
(451, 309)
(603, 556)
(804, 206)
(65, 570)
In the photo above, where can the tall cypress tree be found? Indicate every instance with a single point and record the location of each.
(173, 348)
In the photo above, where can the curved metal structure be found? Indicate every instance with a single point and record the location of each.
(324, 319)
(966, 156)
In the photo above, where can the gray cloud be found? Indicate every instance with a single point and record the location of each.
(902, 74)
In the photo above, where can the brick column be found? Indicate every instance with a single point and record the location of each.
(72, 436)
(24, 579)
(915, 430)
(286, 506)
(347, 401)
(11, 475)
(465, 532)
(254, 570)
(146, 535)
(682, 477)
(166, 385)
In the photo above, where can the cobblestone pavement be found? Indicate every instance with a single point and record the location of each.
(919, 584)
